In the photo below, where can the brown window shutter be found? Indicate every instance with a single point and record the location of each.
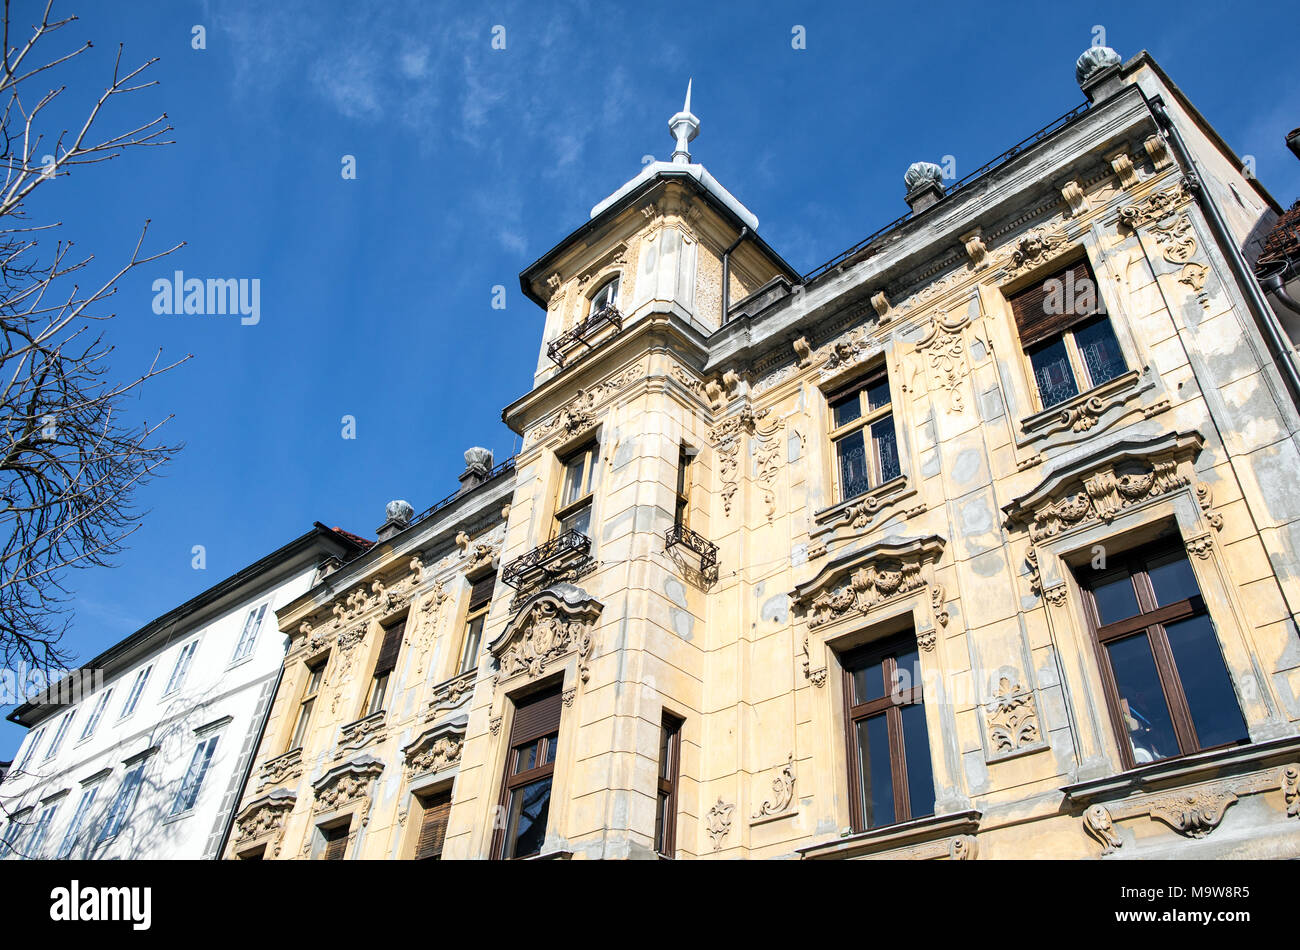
(433, 830)
(336, 843)
(1033, 323)
(480, 593)
(388, 650)
(536, 717)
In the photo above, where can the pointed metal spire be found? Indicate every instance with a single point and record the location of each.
(684, 127)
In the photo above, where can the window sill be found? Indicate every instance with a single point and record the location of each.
(1182, 770)
(872, 498)
(1082, 412)
(180, 816)
(936, 830)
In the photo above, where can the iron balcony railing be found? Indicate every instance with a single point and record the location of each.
(1053, 126)
(707, 551)
(561, 555)
(607, 316)
(507, 466)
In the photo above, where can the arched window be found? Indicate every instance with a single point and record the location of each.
(607, 296)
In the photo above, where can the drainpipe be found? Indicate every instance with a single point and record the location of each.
(1265, 318)
(1273, 280)
(726, 271)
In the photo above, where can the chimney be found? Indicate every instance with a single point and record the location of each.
(924, 181)
(1293, 142)
(398, 514)
(1097, 73)
(478, 464)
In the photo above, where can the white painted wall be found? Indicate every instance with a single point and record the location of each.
(217, 697)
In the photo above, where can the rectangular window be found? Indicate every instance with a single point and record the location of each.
(248, 636)
(573, 512)
(384, 666)
(334, 842)
(670, 746)
(1167, 686)
(682, 504)
(890, 773)
(480, 600)
(1066, 334)
(96, 713)
(530, 766)
(123, 802)
(59, 732)
(862, 433)
(36, 840)
(177, 679)
(13, 831)
(31, 748)
(137, 687)
(194, 775)
(315, 673)
(433, 826)
(79, 821)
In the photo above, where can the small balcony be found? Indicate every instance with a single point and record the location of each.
(565, 557)
(680, 536)
(581, 335)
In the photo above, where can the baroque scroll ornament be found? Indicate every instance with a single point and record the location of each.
(868, 586)
(782, 792)
(944, 350)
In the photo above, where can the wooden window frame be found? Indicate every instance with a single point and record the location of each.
(475, 611)
(547, 743)
(668, 784)
(682, 492)
(1083, 382)
(328, 838)
(867, 417)
(891, 704)
(303, 720)
(617, 281)
(1150, 622)
(381, 680)
(589, 452)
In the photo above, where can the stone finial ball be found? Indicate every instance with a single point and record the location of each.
(922, 173)
(1092, 60)
(400, 511)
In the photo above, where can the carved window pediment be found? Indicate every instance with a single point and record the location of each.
(435, 749)
(264, 816)
(1100, 486)
(347, 783)
(857, 581)
(550, 624)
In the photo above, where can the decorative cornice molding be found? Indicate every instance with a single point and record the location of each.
(550, 624)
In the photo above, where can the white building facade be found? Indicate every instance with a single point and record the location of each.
(150, 762)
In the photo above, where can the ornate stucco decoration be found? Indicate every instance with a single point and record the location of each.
(1093, 489)
(281, 770)
(782, 792)
(1012, 720)
(1177, 242)
(854, 584)
(579, 414)
(1098, 823)
(435, 749)
(1291, 790)
(421, 633)
(361, 733)
(451, 693)
(944, 351)
(719, 822)
(726, 438)
(549, 625)
(1155, 206)
(817, 676)
(265, 817)
(347, 784)
(1036, 247)
(963, 848)
(1193, 813)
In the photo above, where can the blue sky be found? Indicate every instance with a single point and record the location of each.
(471, 162)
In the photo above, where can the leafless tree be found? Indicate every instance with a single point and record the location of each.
(70, 458)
